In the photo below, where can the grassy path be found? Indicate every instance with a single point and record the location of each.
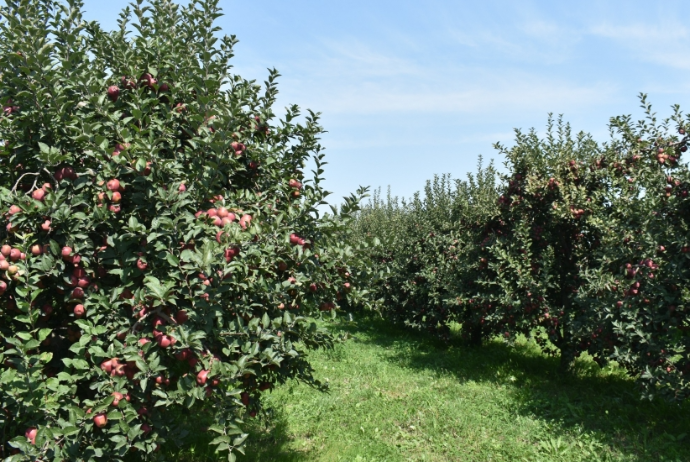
(398, 396)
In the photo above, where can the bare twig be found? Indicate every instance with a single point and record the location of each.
(165, 316)
(14, 188)
(57, 184)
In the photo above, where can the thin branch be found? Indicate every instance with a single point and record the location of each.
(57, 184)
(14, 188)
(160, 313)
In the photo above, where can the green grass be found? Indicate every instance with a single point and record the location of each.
(399, 396)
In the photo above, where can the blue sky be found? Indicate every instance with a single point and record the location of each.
(409, 88)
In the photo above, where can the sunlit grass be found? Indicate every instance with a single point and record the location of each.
(399, 396)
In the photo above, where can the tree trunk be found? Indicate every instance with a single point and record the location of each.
(473, 334)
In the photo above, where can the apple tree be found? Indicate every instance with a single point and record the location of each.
(552, 209)
(640, 285)
(426, 244)
(163, 251)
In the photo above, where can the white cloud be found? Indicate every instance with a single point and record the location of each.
(668, 45)
(352, 78)
(527, 94)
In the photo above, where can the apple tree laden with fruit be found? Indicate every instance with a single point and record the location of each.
(640, 284)
(585, 249)
(162, 248)
(551, 209)
(427, 248)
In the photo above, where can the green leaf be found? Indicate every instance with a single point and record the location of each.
(172, 259)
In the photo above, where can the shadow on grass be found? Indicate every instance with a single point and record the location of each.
(268, 441)
(603, 401)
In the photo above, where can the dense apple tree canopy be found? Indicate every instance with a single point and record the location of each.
(582, 246)
(164, 253)
(162, 247)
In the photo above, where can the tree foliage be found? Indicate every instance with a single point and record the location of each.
(162, 247)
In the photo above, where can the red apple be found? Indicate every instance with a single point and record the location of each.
(107, 366)
(164, 341)
(117, 197)
(244, 396)
(201, 377)
(118, 396)
(141, 264)
(158, 321)
(265, 386)
(100, 420)
(231, 253)
(147, 80)
(5, 250)
(181, 317)
(245, 221)
(66, 253)
(13, 210)
(30, 433)
(36, 250)
(113, 185)
(79, 311)
(15, 254)
(38, 194)
(113, 93)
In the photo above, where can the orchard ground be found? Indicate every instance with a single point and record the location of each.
(399, 396)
